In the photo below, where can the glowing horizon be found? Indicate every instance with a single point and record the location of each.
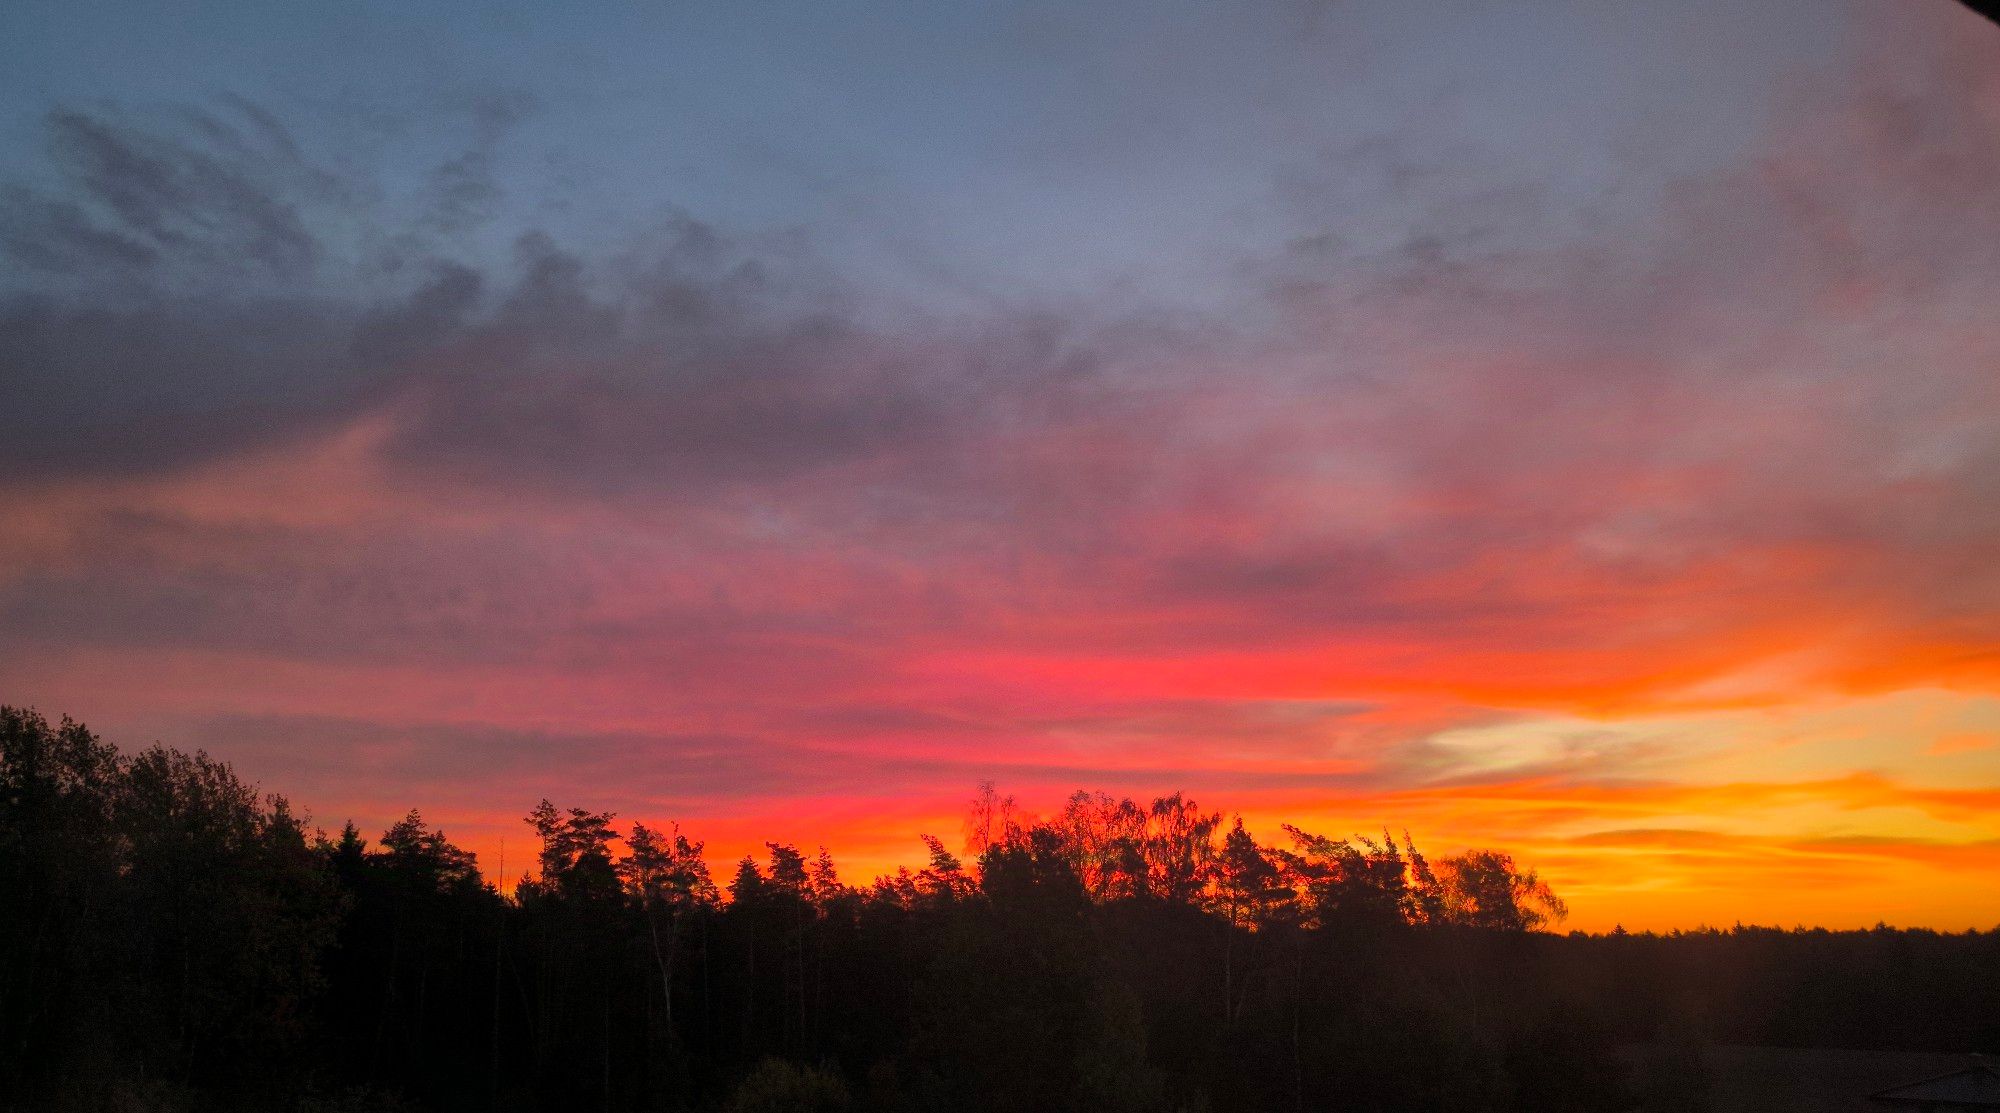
(1591, 453)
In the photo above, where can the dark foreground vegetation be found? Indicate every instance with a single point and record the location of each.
(172, 940)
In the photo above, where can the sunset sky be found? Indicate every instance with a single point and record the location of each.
(1571, 428)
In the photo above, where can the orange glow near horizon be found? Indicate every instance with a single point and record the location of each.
(1642, 522)
(1778, 763)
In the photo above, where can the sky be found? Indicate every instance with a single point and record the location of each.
(1569, 428)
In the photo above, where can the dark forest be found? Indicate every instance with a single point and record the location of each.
(171, 938)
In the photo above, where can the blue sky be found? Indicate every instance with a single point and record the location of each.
(965, 152)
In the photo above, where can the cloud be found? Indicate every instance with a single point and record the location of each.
(137, 199)
(1422, 515)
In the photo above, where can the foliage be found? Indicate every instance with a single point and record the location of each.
(777, 1086)
(172, 939)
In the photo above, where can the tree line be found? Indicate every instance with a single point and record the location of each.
(172, 939)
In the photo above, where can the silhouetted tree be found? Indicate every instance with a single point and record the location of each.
(1484, 889)
(171, 939)
(60, 864)
(1251, 897)
(668, 879)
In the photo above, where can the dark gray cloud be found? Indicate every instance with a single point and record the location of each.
(685, 358)
(152, 385)
(137, 199)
